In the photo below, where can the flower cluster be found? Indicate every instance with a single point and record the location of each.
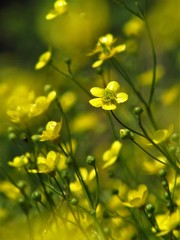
(105, 49)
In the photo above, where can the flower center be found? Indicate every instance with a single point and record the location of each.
(109, 96)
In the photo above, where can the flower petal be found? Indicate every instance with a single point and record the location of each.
(113, 86)
(96, 102)
(122, 97)
(97, 92)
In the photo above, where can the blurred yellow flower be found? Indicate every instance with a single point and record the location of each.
(105, 49)
(168, 222)
(172, 94)
(145, 78)
(87, 177)
(111, 155)
(52, 131)
(46, 164)
(136, 198)
(67, 100)
(43, 60)
(153, 166)
(161, 135)
(21, 108)
(20, 161)
(109, 97)
(60, 7)
(133, 27)
(84, 122)
(41, 104)
(9, 190)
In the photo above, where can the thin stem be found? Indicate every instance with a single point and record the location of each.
(70, 76)
(124, 125)
(97, 192)
(149, 153)
(154, 62)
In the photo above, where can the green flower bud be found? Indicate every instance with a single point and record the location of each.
(12, 136)
(138, 111)
(107, 231)
(74, 201)
(36, 196)
(67, 61)
(21, 185)
(172, 149)
(126, 134)
(47, 88)
(162, 173)
(175, 137)
(90, 160)
(166, 195)
(164, 183)
(149, 208)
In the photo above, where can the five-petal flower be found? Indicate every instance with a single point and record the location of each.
(109, 97)
(106, 49)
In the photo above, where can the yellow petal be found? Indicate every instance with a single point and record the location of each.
(97, 92)
(96, 102)
(109, 106)
(97, 63)
(122, 97)
(113, 86)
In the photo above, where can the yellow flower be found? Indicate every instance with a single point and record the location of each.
(105, 49)
(168, 222)
(87, 177)
(153, 166)
(41, 104)
(133, 27)
(161, 135)
(20, 161)
(60, 7)
(46, 164)
(9, 190)
(109, 97)
(111, 155)
(136, 198)
(43, 60)
(52, 131)
(21, 108)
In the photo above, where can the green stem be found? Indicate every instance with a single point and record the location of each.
(124, 125)
(154, 63)
(70, 76)
(124, 74)
(149, 153)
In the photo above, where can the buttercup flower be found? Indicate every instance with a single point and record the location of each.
(60, 7)
(109, 97)
(41, 104)
(87, 177)
(20, 161)
(52, 131)
(136, 198)
(43, 60)
(110, 156)
(46, 164)
(105, 49)
(161, 135)
(22, 108)
(168, 222)
(9, 190)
